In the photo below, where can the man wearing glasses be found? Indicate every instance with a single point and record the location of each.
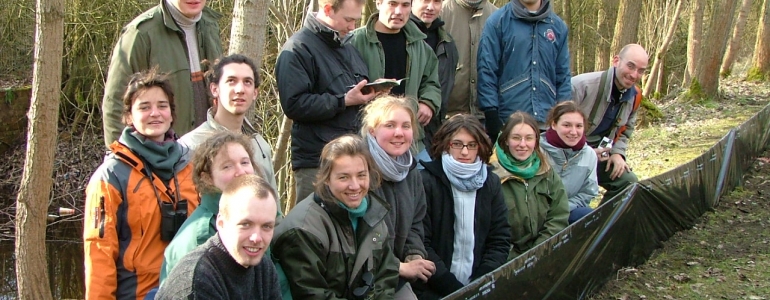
(610, 100)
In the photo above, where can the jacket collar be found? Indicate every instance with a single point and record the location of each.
(410, 29)
(626, 95)
(329, 36)
(437, 25)
(505, 175)
(207, 15)
(246, 127)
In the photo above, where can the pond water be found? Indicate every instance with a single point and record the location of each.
(64, 250)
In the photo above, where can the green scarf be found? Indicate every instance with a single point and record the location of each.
(161, 157)
(525, 169)
(355, 213)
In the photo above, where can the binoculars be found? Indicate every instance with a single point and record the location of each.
(172, 218)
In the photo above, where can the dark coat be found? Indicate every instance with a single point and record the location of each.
(491, 229)
(314, 71)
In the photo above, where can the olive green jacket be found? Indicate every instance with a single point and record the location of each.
(324, 258)
(422, 83)
(154, 39)
(537, 207)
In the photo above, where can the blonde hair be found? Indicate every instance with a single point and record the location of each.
(381, 108)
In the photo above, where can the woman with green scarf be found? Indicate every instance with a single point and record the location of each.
(334, 244)
(537, 202)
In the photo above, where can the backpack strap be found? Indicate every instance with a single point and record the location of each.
(600, 96)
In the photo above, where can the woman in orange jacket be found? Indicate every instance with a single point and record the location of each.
(139, 197)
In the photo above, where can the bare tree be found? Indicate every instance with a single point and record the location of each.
(694, 36)
(656, 72)
(606, 18)
(627, 24)
(35, 190)
(706, 84)
(760, 68)
(735, 39)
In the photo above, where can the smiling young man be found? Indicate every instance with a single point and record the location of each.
(175, 36)
(609, 100)
(232, 264)
(393, 47)
(234, 85)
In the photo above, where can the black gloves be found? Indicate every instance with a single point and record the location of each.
(493, 123)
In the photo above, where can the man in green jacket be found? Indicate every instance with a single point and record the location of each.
(174, 36)
(393, 47)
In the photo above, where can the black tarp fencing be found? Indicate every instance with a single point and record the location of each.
(625, 230)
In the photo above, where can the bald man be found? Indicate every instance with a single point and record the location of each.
(607, 99)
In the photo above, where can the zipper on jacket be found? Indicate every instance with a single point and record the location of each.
(101, 217)
(505, 89)
(548, 85)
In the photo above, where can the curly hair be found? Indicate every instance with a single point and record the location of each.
(204, 154)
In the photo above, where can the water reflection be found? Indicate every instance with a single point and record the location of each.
(64, 251)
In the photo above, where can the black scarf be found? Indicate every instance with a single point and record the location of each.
(521, 12)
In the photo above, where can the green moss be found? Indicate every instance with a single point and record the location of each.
(10, 95)
(755, 74)
(694, 93)
(653, 113)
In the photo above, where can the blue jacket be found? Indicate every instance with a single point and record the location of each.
(523, 65)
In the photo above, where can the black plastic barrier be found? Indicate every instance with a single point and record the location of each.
(625, 230)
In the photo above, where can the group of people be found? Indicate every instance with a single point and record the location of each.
(486, 149)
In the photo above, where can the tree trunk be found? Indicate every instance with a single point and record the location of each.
(657, 66)
(606, 18)
(713, 52)
(694, 36)
(627, 24)
(566, 15)
(735, 40)
(247, 34)
(760, 67)
(35, 190)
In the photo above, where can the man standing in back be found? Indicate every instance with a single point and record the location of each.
(174, 36)
(523, 63)
(394, 48)
(464, 21)
(425, 13)
(321, 82)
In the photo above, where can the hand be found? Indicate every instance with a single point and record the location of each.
(357, 95)
(420, 269)
(424, 113)
(600, 151)
(619, 164)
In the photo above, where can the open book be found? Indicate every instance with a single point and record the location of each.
(381, 84)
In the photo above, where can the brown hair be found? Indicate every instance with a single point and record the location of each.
(564, 108)
(443, 137)
(203, 157)
(346, 145)
(337, 4)
(139, 84)
(256, 185)
(517, 118)
(379, 109)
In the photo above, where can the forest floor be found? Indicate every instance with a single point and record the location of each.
(726, 255)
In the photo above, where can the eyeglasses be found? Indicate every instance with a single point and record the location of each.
(460, 145)
(518, 139)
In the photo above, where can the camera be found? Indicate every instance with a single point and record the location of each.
(606, 143)
(171, 218)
